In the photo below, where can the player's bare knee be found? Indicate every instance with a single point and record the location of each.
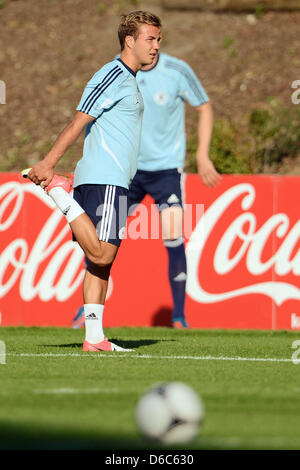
(96, 259)
(171, 221)
(104, 258)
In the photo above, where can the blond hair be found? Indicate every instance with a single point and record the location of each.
(130, 23)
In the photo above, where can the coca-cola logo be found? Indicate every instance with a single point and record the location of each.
(252, 241)
(20, 262)
(50, 266)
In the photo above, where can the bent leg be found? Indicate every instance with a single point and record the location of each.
(97, 251)
(80, 223)
(99, 230)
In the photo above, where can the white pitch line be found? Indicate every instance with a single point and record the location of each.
(74, 391)
(148, 356)
(255, 442)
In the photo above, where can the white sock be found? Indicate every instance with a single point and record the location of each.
(65, 202)
(93, 314)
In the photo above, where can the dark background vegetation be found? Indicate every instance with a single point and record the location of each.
(247, 63)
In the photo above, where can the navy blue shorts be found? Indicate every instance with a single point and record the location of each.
(106, 205)
(165, 186)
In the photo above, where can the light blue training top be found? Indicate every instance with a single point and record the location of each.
(165, 89)
(112, 140)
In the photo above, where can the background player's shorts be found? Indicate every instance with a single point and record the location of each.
(106, 205)
(165, 186)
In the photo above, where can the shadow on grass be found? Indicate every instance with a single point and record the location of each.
(129, 344)
(34, 437)
(30, 438)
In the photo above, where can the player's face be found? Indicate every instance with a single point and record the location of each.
(147, 44)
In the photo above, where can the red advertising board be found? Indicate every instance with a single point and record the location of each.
(242, 243)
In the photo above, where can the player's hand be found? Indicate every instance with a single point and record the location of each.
(208, 173)
(41, 174)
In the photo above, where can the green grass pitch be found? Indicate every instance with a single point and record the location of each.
(55, 396)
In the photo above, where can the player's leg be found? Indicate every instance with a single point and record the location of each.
(94, 293)
(136, 192)
(94, 249)
(90, 214)
(96, 278)
(171, 221)
(106, 206)
(166, 188)
(80, 223)
(95, 285)
(95, 282)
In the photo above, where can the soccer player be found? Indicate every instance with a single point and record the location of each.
(166, 85)
(111, 110)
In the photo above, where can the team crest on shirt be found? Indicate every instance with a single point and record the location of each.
(161, 98)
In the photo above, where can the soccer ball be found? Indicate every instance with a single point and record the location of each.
(170, 412)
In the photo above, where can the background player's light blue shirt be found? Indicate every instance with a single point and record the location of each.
(112, 140)
(165, 89)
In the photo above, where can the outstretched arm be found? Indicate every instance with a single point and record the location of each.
(206, 169)
(43, 171)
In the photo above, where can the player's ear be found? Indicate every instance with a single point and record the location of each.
(129, 41)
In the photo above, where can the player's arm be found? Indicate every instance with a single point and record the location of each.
(43, 170)
(206, 169)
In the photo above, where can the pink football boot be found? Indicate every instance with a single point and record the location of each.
(104, 345)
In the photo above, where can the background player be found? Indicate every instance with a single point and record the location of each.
(166, 85)
(111, 109)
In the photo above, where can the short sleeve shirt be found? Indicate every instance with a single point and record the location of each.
(165, 89)
(112, 140)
